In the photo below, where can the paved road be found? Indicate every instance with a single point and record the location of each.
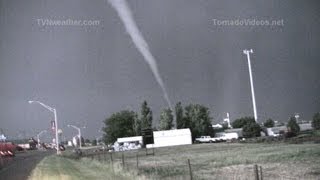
(20, 166)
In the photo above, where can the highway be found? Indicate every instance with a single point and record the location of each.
(20, 166)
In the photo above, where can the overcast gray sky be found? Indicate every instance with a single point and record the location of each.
(89, 72)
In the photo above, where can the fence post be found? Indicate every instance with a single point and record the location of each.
(261, 175)
(111, 161)
(190, 171)
(256, 173)
(122, 160)
(137, 161)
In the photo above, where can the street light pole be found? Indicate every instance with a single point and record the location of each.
(79, 133)
(247, 52)
(38, 136)
(55, 121)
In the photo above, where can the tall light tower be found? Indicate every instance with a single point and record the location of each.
(247, 52)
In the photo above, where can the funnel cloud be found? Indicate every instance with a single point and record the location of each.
(126, 16)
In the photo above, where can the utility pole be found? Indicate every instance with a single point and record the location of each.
(247, 52)
(55, 122)
(79, 133)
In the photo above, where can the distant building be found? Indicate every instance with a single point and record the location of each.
(305, 126)
(171, 138)
(217, 126)
(2, 137)
(276, 131)
(128, 143)
(236, 130)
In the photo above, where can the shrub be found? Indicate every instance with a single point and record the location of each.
(293, 126)
(269, 123)
(316, 121)
(251, 130)
(239, 123)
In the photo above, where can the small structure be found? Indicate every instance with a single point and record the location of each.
(2, 138)
(217, 126)
(235, 130)
(171, 138)
(134, 139)
(305, 126)
(70, 143)
(276, 131)
(128, 143)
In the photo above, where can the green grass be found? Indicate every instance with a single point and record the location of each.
(208, 161)
(58, 167)
(226, 161)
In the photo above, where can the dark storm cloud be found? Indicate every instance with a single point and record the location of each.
(88, 72)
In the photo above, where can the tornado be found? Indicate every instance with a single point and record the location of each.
(132, 29)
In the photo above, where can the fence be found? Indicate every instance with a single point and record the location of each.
(155, 168)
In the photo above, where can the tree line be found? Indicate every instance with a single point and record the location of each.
(196, 117)
(128, 123)
(252, 129)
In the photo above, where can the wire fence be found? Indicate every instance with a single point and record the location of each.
(152, 167)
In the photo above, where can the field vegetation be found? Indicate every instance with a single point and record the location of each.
(208, 161)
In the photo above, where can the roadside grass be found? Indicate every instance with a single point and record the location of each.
(228, 161)
(57, 167)
(208, 161)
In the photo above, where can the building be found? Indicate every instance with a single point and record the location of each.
(2, 138)
(235, 130)
(275, 131)
(171, 138)
(128, 143)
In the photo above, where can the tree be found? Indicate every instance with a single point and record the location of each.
(166, 119)
(240, 123)
(269, 123)
(87, 140)
(225, 126)
(197, 118)
(146, 116)
(137, 125)
(179, 116)
(94, 142)
(120, 124)
(293, 126)
(316, 121)
(251, 129)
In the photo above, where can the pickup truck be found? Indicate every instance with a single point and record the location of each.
(220, 138)
(205, 139)
(226, 137)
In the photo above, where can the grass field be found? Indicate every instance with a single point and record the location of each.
(61, 168)
(208, 161)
